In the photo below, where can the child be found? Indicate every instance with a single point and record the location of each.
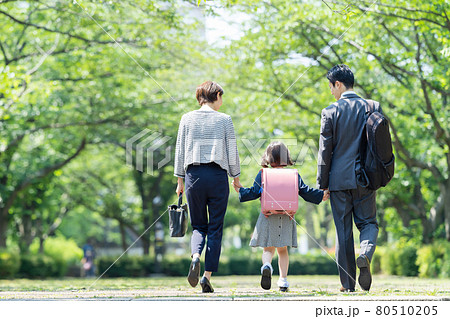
(276, 230)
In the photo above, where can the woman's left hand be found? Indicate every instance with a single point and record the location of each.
(180, 186)
(236, 184)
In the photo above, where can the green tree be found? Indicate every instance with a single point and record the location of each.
(76, 75)
(399, 53)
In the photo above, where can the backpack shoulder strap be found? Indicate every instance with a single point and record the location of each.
(372, 106)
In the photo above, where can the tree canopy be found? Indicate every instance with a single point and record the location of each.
(80, 78)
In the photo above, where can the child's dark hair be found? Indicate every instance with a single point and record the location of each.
(276, 154)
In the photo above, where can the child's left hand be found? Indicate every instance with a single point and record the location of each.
(326, 195)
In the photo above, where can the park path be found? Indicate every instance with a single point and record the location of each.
(219, 294)
(310, 288)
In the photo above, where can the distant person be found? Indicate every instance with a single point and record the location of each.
(276, 231)
(206, 151)
(88, 260)
(339, 171)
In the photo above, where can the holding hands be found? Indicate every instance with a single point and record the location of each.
(326, 195)
(236, 184)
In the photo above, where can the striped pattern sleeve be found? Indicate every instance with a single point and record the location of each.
(180, 150)
(233, 154)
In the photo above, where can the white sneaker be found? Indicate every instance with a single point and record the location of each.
(283, 284)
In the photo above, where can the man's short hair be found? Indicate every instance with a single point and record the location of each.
(341, 73)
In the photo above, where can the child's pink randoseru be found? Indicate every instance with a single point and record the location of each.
(280, 191)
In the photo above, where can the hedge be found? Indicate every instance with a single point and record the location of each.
(136, 266)
(9, 263)
(398, 259)
(434, 260)
(407, 259)
(38, 266)
(401, 258)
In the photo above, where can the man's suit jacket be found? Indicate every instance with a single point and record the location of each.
(341, 129)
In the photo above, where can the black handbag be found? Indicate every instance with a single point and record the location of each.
(178, 218)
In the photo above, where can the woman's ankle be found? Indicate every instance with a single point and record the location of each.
(207, 274)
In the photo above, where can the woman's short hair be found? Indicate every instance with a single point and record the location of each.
(276, 154)
(207, 92)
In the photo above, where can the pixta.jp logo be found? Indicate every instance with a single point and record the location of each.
(150, 146)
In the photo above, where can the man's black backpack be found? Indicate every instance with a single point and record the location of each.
(377, 158)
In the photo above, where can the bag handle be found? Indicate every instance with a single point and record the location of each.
(180, 199)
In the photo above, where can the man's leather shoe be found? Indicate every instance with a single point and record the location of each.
(365, 277)
(194, 272)
(206, 285)
(342, 289)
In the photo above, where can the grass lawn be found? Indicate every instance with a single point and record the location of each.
(227, 288)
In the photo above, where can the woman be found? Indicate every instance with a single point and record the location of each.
(206, 152)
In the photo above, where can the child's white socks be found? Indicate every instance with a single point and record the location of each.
(282, 282)
(269, 265)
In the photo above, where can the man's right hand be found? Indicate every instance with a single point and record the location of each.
(326, 194)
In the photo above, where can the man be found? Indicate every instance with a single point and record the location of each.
(341, 130)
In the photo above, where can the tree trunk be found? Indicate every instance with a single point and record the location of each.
(155, 208)
(25, 234)
(447, 210)
(145, 238)
(146, 221)
(41, 245)
(123, 236)
(382, 236)
(4, 218)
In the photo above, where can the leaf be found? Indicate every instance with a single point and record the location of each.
(445, 51)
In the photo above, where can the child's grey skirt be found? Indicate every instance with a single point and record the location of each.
(274, 231)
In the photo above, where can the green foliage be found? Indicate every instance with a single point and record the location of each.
(399, 259)
(38, 266)
(68, 90)
(312, 265)
(278, 69)
(126, 266)
(175, 266)
(9, 263)
(375, 264)
(64, 252)
(65, 82)
(434, 260)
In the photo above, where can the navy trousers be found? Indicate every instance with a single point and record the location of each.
(207, 192)
(359, 205)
